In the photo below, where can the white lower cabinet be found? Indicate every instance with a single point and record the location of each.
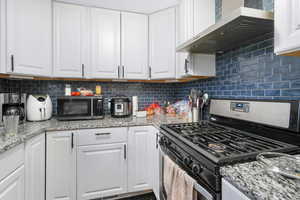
(155, 161)
(61, 165)
(98, 163)
(140, 163)
(12, 187)
(35, 168)
(101, 170)
(12, 174)
(229, 192)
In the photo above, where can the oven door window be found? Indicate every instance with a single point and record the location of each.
(75, 107)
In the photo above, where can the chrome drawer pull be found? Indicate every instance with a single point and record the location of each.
(101, 134)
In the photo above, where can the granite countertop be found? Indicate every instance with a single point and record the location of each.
(255, 182)
(30, 129)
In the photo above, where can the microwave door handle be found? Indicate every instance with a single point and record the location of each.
(99, 102)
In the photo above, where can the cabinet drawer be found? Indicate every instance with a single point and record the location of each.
(11, 160)
(102, 136)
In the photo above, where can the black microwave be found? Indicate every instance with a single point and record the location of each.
(81, 107)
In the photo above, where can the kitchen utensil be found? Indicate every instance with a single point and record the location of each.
(11, 120)
(203, 103)
(80, 108)
(120, 106)
(195, 114)
(135, 106)
(39, 107)
(279, 163)
(14, 101)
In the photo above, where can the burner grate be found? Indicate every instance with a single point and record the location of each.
(224, 142)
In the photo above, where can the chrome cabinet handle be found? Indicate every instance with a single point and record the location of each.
(123, 71)
(12, 63)
(186, 62)
(101, 134)
(118, 71)
(82, 70)
(150, 72)
(125, 151)
(72, 140)
(156, 140)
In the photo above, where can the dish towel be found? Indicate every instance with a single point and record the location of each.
(178, 184)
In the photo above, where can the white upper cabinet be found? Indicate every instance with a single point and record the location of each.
(134, 46)
(105, 43)
(186, 20)
(29, 37)
(35, 168)
(204, 15)
(70, 40)
(287, 27)
(2, 36)
(162, 44)
(194, 17)
(61, 165)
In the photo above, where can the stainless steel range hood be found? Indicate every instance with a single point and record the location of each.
(233, 30)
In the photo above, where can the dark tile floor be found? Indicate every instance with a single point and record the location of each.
(149, 196)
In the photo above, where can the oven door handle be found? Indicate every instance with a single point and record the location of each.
(203, 191)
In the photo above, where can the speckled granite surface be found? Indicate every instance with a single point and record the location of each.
(258, 184)
(31, 129)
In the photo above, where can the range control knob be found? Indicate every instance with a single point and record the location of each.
(187, 160)
(166, 141)
(197, 168)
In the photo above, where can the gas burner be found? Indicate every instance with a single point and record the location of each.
(220, 148)
(223, 144)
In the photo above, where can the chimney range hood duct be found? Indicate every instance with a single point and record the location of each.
(240, 23)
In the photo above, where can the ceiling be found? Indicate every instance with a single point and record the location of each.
(141, 6)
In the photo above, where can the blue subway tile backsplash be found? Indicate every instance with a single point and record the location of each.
(147, 93)
(258, 75)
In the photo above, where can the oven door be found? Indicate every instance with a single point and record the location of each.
(74, 108)
(202, 193)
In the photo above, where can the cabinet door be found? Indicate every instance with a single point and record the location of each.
(101, 171)
(139, 159)
(204, 15)
(134, 46)
(155, 161)
(162, 44)
(229, 192)
(29, 37)
(105, 43)
(2, 35)
(70, 40)
(287, 27)
(12, 187)
(187, 19)
(35, 168)
(60, 162)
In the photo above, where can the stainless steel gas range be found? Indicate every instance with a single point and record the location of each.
(237, 131)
